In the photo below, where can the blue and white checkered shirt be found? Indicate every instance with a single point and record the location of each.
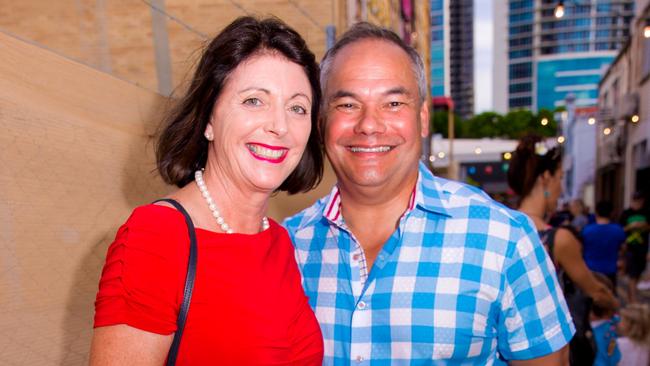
(461, 280)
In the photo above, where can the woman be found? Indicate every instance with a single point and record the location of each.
(535, 174)
(244, 130)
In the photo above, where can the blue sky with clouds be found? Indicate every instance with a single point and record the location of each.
(483, 42)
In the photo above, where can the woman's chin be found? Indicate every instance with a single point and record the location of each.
(268, 184)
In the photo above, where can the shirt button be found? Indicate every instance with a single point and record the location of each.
(361, 305)
(355, 257)
(359, 359)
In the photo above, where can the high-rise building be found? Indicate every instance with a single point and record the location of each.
(452, 53)
(549, 55)
(461, 55)
(439, 79)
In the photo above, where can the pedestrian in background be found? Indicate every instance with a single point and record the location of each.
(579, 214)
(635, 221)
(603, 321)
(634, 335)
(535, 174)
(602, 242)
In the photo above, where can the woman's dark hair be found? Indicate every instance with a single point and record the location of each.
(529, 161)
(182, 148)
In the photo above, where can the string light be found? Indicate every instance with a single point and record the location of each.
(607, 131)
(591, 121)
(544, 121)
(560, 139)
(559, 10)
(635, 118)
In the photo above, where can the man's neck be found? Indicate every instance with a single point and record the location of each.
(602, 220)
(372, 213)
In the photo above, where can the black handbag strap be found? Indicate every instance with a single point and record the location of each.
(189, 283)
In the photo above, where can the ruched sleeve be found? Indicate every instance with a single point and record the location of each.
(142, 279)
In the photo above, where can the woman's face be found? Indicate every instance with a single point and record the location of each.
(261, 123)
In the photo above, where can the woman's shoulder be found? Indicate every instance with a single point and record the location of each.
(567, 239)
(155, 222)
(155, 214)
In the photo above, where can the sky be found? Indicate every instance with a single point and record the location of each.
(483, 42)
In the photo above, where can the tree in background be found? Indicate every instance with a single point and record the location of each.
(439, 124)
(513, 125)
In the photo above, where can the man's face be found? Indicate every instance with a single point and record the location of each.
(374, 120)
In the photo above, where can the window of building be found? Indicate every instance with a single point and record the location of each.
(527, 16)
(521, 70)
(525, 41)
(525, 4)
(437, 20)
(520, 102)
(520, 88)
(437, 4)
(604, 33)
(604, 8)
(525, 28)
(520, 53)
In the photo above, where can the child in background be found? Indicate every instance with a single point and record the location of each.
(634, 329)
(603, 325)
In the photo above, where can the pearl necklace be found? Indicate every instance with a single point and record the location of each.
(198, 177)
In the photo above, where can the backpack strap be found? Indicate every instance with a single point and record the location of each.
(189, 282)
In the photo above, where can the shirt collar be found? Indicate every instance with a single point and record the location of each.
(431, 193)
(427, 194)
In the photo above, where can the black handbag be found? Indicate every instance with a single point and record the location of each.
(189, 283)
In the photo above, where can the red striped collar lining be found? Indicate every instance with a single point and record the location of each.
(333, 207)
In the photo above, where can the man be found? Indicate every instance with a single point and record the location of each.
(580, 213)
(403, 268)
(602, 242)
(636, 223)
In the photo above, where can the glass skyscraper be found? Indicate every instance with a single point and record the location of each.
(438, 85)
(550, 57)
(452, 53)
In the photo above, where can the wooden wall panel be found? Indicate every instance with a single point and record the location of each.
(116, 36)
(74, 161)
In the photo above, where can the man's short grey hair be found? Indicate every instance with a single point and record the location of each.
(366, 31)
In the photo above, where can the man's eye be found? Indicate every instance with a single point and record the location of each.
(345, 106)
(253, 101)
(395, 104)
(298, 109)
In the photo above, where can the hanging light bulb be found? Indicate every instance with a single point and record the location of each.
(646, 29)
(559, 9)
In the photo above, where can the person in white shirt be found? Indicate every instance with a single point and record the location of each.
(634, 328)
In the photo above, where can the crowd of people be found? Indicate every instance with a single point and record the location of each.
(395, 266)
(589, 251)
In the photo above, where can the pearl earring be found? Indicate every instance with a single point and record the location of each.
(208, 136)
